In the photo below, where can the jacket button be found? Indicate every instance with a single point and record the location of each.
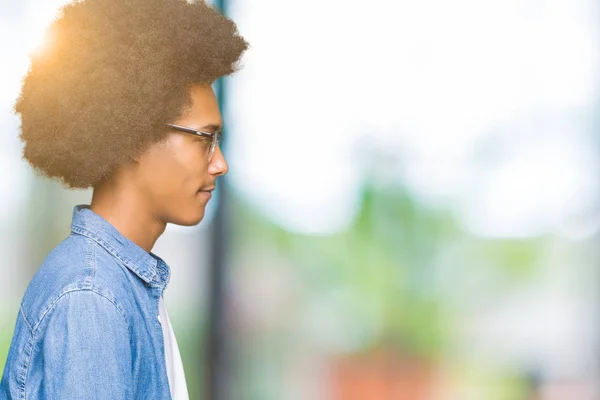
(159, 319)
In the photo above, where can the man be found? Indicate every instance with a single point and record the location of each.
(119, 100)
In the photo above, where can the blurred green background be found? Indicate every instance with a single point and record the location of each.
(413, 202)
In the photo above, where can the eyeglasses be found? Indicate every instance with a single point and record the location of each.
(215, 137)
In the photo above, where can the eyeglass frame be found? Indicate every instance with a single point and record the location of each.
(214, 136)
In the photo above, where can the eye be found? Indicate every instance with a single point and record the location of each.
(204, 144)
(204, 140)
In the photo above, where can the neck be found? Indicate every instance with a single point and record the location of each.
(129, 212)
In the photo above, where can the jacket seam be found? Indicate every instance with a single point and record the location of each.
(88, 280)
(25, 319)
(93, 264)
(24, 370)
(91, 289)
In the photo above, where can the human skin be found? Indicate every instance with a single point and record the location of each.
(170, 182)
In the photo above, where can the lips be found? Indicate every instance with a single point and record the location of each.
(208, 189)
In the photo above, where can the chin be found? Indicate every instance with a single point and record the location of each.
(189, 219)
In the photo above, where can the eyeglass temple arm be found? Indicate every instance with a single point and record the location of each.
(189, 130)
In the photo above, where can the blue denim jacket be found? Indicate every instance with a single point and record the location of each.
(88, 324)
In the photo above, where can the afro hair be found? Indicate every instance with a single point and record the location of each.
(112, 74)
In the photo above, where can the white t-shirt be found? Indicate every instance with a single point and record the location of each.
(175, 372)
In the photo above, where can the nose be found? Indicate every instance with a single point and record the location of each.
(218, 166)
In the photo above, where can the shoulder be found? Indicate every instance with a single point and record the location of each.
(83, 311)
(81, 343)
(73, 269)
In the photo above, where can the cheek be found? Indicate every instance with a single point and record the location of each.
(191, 168)
(175, 169)
(181, 174)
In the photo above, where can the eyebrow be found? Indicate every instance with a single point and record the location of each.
(210, 128)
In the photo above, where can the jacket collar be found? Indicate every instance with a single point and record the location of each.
(148, 266)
